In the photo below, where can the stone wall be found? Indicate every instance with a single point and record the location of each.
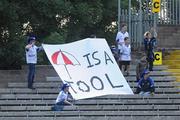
(42, 71)
(169, 36)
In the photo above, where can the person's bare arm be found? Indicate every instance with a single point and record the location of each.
(28, 46)
(67, 102)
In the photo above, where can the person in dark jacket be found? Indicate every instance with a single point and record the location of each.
(146, 84)
(140, 67)
(149, 46)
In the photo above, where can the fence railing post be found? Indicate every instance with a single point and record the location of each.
(140, 25)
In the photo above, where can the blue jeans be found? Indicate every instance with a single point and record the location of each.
(145, 94)
(58, 106)
(31, 75)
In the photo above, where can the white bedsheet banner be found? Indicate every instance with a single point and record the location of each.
(89, 67)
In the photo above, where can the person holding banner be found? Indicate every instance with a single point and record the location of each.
(149, 45)
(146, 84)
(31, 59)
(120, 38)
(125, 56)
(62, 98)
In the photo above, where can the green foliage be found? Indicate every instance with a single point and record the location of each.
(53, 22)
(84, 17)
(54, 38)
(11, 53)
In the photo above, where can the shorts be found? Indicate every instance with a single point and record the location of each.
(125, 62)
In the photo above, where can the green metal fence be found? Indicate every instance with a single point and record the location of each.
(142, 19)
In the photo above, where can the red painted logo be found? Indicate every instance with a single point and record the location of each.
(64, 58)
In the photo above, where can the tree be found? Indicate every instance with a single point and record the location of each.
(41, 15)
(52, 21)
(83, 18)
(10, 38)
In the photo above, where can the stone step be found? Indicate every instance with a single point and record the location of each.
(89, 113)
(53, 97)
(174, 70)
(92, 102)
(173, 62)
(94, 108)
(155, 117)
(176, 66)
(177, 78)
(156, 68)
(58, 84)
(128, 78)
(132, 73)
(109, 97)
(56, 90)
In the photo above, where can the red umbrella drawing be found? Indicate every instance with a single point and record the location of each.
(64, 58)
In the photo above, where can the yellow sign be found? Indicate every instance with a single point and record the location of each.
(158, 58)
(156, 6)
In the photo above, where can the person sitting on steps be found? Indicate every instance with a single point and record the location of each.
(146, 84)
(62, 98)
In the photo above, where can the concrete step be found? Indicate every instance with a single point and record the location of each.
(8, 97)
(155, 117)
(58, 84)
(56, 90)
(109, 97)
(128, 78)
(175, 66)
(89, 113)
(91, 102)
(173, 70)
(94, 108)
(177, 78)
(133, 73)
(156, 68)
(171, 62)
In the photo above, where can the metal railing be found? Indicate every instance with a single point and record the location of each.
(170, 12)
(142, 20)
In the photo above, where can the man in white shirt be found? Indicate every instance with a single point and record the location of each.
(31, 59)
(120, 38)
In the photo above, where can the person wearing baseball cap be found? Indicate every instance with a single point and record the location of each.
(62, 98)
(31, 59)
(146, 84)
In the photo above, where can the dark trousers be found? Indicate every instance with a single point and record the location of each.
(150, 59)
(31, 75)
(58, 106)
(151, 65)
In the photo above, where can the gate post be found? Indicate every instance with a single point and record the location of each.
(140, 38)
(119, 13)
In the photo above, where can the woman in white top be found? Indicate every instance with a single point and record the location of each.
(62, 98)
(125, 56)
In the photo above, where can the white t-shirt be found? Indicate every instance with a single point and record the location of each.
(120, 37)
(61, 96)
(126, 53)
(31, 54)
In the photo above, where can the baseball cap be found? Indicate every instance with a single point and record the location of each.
(31, 38)
(65, 86)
